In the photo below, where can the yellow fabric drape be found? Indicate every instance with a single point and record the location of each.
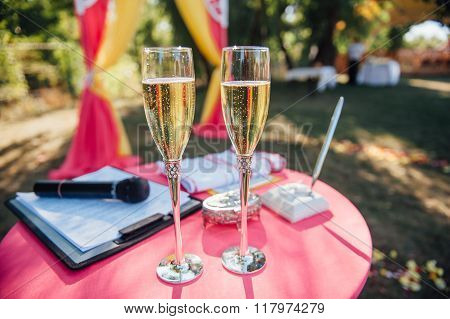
(195, 17)
(121, 24)
(211, 95)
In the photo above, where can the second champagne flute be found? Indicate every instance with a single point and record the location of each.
(169, 100)
(245, 104)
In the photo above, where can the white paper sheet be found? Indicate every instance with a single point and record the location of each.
(88, 223)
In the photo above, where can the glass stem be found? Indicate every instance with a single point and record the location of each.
(173, 173)
(245, 172)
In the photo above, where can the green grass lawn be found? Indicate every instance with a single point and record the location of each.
(406, 205)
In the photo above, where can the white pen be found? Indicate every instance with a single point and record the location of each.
(326, 144)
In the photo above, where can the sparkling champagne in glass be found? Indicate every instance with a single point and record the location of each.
(245, 104)
(169, 100)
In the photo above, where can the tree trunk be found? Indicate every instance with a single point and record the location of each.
(278, 26)
(255, 31)
(326, 53)
(288, 59)
(258, 31)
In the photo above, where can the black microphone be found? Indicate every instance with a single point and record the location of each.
(130, 190)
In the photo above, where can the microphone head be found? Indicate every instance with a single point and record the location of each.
(133, 190)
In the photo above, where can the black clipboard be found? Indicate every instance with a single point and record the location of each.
(75, 258)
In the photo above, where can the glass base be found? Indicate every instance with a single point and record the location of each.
(251, 263)
(170, 272)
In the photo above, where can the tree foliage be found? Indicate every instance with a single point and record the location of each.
(41, 22)
(34, 18)
(298, 32)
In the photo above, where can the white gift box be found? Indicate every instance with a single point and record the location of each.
(294, 201)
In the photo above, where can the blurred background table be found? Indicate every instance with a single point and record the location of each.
(325, 256)
(325, 75)
(379, 72)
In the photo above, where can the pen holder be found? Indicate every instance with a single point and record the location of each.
(294, 201)
(225, 208)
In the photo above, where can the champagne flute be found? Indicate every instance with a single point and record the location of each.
(245, 103)
(168, 83)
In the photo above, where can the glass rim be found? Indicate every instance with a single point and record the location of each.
(166, 49)
(245, 48)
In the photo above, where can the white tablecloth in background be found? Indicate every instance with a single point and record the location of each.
(325, 74)
(379, 72)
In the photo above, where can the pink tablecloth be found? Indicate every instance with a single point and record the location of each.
(325, 256)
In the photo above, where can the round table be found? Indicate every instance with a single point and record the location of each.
(325, 256)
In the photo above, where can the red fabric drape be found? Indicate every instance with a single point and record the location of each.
(96, 140)
(92, 25)
(219, 31)
(214, 125)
